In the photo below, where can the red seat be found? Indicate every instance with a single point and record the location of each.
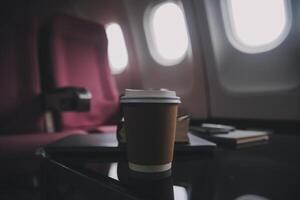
(21, 109)
(75, 55)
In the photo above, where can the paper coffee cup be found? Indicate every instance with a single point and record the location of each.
(150, 124)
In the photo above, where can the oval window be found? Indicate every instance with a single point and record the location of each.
(117, 51)
(256, 25)
(166, 32)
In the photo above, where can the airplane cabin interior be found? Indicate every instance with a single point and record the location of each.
(150, 99)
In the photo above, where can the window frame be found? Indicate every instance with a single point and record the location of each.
(149, 34)
(239, 45)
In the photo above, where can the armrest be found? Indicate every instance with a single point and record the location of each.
(68, 99)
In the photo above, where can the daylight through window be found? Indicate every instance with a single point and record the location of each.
(257, 25)
(167, 33)
(117, 51)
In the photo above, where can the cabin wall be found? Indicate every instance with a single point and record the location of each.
(215, 80)
(249, 86)
(186, 78)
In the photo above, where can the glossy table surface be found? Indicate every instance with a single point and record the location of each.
(267, 171)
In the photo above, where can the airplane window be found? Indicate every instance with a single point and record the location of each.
(166, 33)
(117, 51)
(256, 25)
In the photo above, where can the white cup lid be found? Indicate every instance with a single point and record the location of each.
(150, 96)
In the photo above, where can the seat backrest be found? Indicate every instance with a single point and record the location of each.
(74, 53)
(20, 105)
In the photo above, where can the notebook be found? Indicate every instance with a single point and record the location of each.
(236, 137)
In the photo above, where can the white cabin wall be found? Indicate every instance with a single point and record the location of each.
(260, 86)
(186, 78)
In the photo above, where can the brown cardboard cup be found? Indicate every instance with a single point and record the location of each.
(150, 124)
